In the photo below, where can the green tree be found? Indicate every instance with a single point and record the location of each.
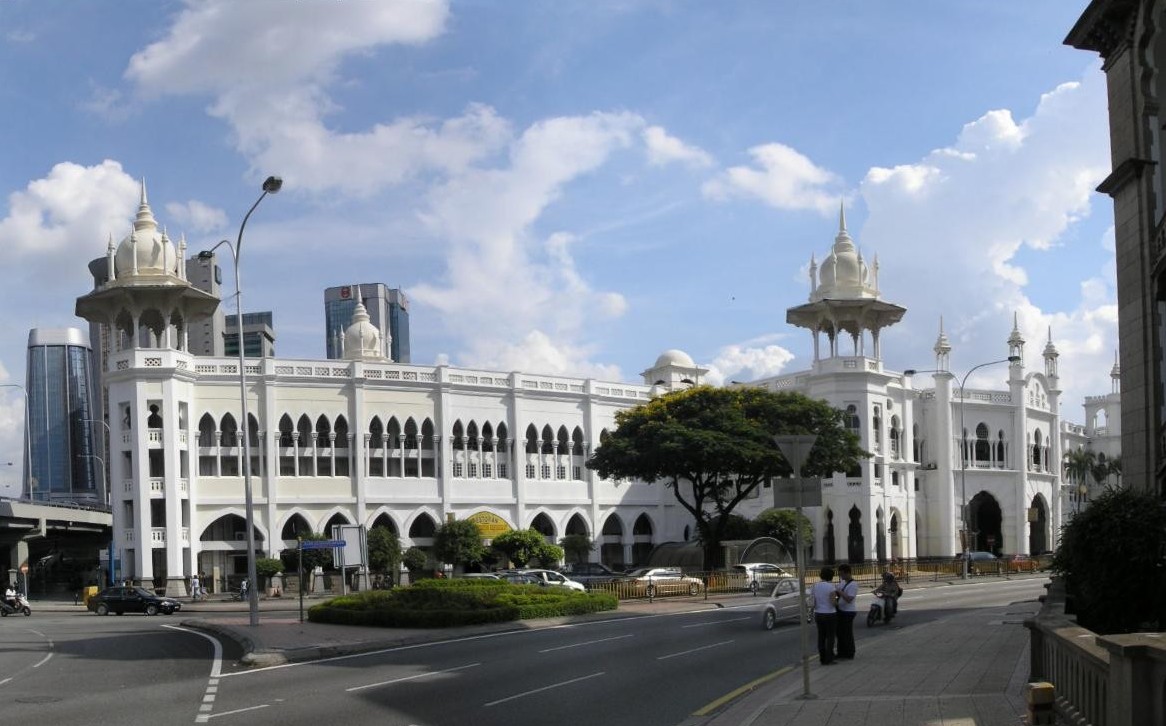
(1079, 464)
(267, 568)
(781, 524)
(577, 547)
(1113, 558)
(714, 447)
(736, 527)
(520, 546)
(549, 555)
(458, 542)
(312, 558)
(384, 550)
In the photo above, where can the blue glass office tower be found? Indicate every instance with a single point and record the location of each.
(61, 458)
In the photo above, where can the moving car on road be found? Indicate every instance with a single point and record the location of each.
(122, 600)
(980, 563)
(552, 578)
(591, 573)
(783, 605)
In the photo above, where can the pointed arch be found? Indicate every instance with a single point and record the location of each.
(382, 518)
(229, 431)
(423, 526)
(295, 524)
(577, 524)
(458, 432)
(543, 525)
(577, 442)
(206, 431)
(531, 439)
(855, 539)
(503, 434)
(643, 538)
(231, 526)
(548, 438)
(983, 449)
(487, 437)
(1038, 525)
(341, 432)
(285, 431)
(376, 433)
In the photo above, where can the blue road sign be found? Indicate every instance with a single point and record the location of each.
(323, 544)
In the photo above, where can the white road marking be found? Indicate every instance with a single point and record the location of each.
(238, 710)
(544, 688)
(410, 678)
(43, 661)
(212, 686)
(586, 642)
(713, 622)
(694, 650)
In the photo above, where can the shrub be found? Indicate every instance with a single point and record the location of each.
(1113, 559)
(451, 603)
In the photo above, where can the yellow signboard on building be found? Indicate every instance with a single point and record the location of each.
(489, 524)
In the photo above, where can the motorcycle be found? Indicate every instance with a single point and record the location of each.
(17, 605)
(879, 611)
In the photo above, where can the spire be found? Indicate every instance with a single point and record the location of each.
(1115, 375)
(1016, 340)
(145, 218)
(942, 348)
(841, 217)
(1050, 356)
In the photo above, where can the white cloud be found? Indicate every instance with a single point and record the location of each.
(196, 216)
(782, 178)
(486, 216)
(665, 149)
(747, 361)
(950, 230)
(68, 209)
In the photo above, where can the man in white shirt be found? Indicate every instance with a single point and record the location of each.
(825, 614)
(847, 610)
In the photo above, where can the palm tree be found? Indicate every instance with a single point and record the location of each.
(1079, 464)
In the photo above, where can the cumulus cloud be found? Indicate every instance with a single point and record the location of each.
(196, 216)
(748, 361)
(486, 216)
(666, 149)
(967, 232)
(780, 177)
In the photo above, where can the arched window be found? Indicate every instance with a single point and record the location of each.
(1036, 449)
(206, 431)
(983, 448)
(1000, 449)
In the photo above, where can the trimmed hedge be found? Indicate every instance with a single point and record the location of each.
(452, 603)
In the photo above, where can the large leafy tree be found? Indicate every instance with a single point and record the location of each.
(522, 546)
(384, 550)
(714, 446)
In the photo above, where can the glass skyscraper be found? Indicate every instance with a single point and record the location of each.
(61, 458)
(388, 310)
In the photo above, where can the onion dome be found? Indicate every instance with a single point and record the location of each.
(362, 340)
(675, 357)
(843, 274)
(942, 344)
(145, 251)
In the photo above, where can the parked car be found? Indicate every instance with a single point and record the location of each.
(653, 581)
(755, 576)
(980, 563)
(478, 576)
(122, 600)
(1022, 563)
(783, 605)
(591, 573)
(515, 577)
(552, 578)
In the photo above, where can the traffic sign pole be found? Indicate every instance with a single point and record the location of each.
(796, 449)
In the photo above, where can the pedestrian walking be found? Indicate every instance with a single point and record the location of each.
(847, 611)
(825, 614)
(195, 587)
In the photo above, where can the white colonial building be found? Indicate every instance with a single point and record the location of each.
(366, 441)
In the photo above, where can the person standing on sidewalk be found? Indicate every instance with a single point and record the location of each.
(825, 597)
(847, 610)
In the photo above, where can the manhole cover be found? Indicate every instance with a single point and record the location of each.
(39, 699)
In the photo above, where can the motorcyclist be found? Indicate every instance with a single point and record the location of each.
(889, 591)
(10, 596)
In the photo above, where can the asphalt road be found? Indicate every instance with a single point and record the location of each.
(651, 670)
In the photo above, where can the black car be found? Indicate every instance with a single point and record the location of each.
(131, 600)
(592, 573)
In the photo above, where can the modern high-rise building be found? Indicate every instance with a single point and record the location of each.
(258, 336)
(206, 336)
(62, 457)
(388, 311)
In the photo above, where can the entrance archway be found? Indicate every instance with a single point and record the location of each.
(1038, 520)
(855, 541)
(985, 520)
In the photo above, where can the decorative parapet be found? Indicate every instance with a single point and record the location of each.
(1100, 680)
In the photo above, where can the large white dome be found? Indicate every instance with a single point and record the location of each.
(145, 251)
(675, 357)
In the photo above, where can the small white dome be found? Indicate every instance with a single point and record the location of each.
(362, 340)
(675, 357)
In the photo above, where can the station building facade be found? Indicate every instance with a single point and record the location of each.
(366, 441)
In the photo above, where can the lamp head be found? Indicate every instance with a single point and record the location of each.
(910, 372)
(1013, 359)
(272, 184)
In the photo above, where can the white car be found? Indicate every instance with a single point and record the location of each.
(755, 576)
(654, 581)
(550, 577)
(783, 605)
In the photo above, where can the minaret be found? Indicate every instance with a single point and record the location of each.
(1115, 375)
(1050, 356)
(942, 349)
(1016, 340)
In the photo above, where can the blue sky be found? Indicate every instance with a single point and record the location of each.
(572, 187)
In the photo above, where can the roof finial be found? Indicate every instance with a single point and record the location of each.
(841, 216)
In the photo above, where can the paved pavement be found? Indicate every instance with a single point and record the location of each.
(957, 672)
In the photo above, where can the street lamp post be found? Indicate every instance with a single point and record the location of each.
(105, 486)
(271, 185)
(964, 458)
(27, 441)
(964, 453)
(108, 498)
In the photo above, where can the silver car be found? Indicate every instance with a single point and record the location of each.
(783, 605)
